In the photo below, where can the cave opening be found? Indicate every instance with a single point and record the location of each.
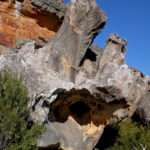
(79, 109)
(88, 55)
(84, 107)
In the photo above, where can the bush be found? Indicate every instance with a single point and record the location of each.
(14, 134)
(132, 136)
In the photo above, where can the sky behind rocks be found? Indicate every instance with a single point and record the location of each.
(131, 20)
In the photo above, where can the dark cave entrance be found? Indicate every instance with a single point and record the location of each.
(79, 109)
(83, 107)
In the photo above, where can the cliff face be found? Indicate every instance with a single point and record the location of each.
(76, 88)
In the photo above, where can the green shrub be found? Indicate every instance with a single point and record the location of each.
(14, 134)
(132, 136)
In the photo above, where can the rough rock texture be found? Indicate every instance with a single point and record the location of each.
(71, 135)
(52, 6)
(143, 108)
(56, 7)
(76, 88)
(75, 118)
(83, 20)
(17, 25)
(45, 11)
(114, 72)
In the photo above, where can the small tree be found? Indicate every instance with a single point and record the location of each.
(132, 136)
(14, 134)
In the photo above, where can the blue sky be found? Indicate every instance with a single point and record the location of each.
(131, 20)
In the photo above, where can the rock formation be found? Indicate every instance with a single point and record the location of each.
(51, 6)
(76, 88)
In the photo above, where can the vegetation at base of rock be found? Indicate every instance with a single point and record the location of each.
(14, 132)
(132, 136)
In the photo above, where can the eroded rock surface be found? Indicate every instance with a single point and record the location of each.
(143, 108)
(83, 20)
(19, 22)
(76, 88)
(52, 6)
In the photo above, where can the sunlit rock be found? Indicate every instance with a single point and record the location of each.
(15, 25)
(76, 89)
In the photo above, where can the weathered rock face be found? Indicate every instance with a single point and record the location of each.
(52, 6)
(143, 108)
(68, 49)
(76, 88)
(114, 72)
(20, 22)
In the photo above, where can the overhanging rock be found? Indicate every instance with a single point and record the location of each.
(76, 118)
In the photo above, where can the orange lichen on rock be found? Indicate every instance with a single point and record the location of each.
(14, 25)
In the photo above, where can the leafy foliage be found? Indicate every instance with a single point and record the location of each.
(14, 134)
(132, 136)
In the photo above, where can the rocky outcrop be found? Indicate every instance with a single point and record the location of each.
(75, 119)
(68, 49)
(114, 72)
(76, 88)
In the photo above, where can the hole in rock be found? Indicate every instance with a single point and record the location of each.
(102, 25)
(83, 107)
(123, 49)
(88, 55)
(79, 109)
